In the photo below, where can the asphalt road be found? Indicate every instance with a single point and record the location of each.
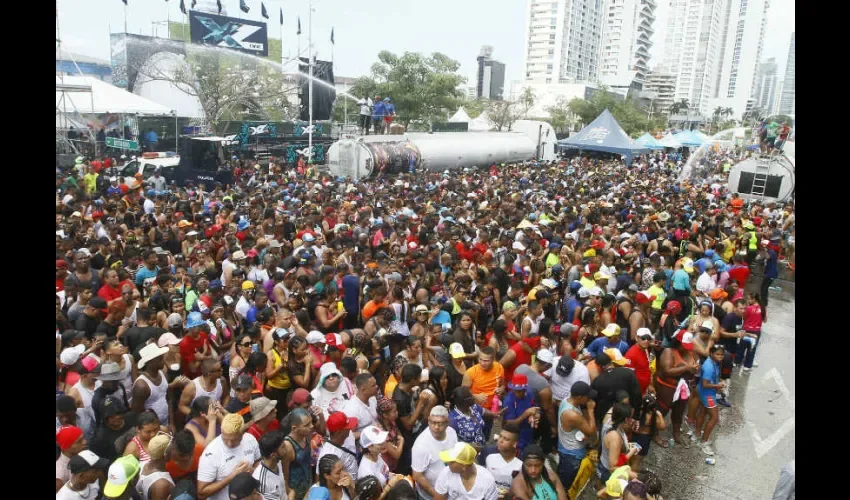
(755, 437)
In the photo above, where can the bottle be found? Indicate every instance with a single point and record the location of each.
(495, 406)
(710, 461)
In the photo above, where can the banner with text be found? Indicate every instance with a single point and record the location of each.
(243, 35)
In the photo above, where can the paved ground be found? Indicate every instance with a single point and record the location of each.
(755, 437)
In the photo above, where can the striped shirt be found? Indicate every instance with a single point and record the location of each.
(272, 484)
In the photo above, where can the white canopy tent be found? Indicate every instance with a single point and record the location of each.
(460, 116)
(103, 98)
(668, 141)
(481, 123)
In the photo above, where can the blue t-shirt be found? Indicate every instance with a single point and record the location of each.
(144, 273)
(515, 408)
(379, 110)
(351, 293)
(771, 270)
(598, 345)
(390, 108)
(681, 280)
(710, 371)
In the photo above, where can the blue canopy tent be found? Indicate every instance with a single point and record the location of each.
(689, 139)
(604, 134)
(648, 141)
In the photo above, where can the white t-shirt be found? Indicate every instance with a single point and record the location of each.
(242, 307)
(218, 461)
(89, 493)
(451, 485)
(272, 482)
(706, 283)
(378, 469)
(349, 461)
(561, 386)
(365, 415)
(502, 471)
(426, 456)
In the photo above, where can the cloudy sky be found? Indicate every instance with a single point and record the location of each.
(457, 28)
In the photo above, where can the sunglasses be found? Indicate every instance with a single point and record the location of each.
(247, 344)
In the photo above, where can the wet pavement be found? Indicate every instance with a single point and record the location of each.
(756, 436)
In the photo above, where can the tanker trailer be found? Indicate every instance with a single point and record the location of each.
(367, 156)
(764, 178)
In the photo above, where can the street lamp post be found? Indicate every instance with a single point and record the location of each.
(310, 83)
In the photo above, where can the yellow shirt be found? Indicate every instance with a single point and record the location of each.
(91, 182)
(587, 282)
(728, 249)
(281, 380)
(659, 294)
(390, 386)
(486, 382)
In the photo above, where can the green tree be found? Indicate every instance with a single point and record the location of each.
(422, 88)
(560, 115)
(474, 107)
(503, 114)
(228, 85)
(526, 100)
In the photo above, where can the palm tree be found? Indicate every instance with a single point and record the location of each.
(728, 112)
(718, 111)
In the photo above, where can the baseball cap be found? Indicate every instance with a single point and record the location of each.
(644, 332)
(121, 472)
(174, 320)
(71, 355)
(462, 453)
(545, 356)
(168, 338)
(338, 421)
(69, 335)
(421, 308)
(67, 436)
(456, 350)
(708, 324)
(688, 265)
(718, 293)
(243, 381)
(97, 303)
(315, 337)
(596, 292)
(644, 297)
(616, 356)
(243, 486)
(371, 435)
(334, 340)
(113, 406)
(612, 330)
(216, 284)
(247, 285)
(686, 338)
(583, 389)
(86, 460)
(584, 292)
(300, 396)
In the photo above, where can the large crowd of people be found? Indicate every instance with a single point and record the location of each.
(522, 331)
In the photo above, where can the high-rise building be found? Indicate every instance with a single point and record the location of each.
(692, 47)
(491, 76)
(626, 40)
(745, 25)
(661, 83)
(765, 93)
(563, 39)
(787, 99)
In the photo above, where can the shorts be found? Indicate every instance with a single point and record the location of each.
(602, 473)
(388, 119)
(708, 401)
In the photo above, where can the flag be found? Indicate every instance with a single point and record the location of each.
(125, 2)
(243, 6)
(218, 3)
(182, 7)
(193, 3)
(332, 36)
(299, 26)
(263, 10)
(281, 16)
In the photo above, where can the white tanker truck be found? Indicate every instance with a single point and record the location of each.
(362, 157)
(765, 178)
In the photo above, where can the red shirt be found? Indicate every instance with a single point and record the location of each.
(178, 472)
(257, 433)
(60, 284)
(640, 364)
(188, 347)
(740, 274)
(522, 357)
(108, 293)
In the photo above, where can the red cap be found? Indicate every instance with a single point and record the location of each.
(67, 436)
(338, 421)
(215, 228)
(334, 340)
(686, 338)
(644, 297)
(61, 264)
(300, 396)
(519, 382)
